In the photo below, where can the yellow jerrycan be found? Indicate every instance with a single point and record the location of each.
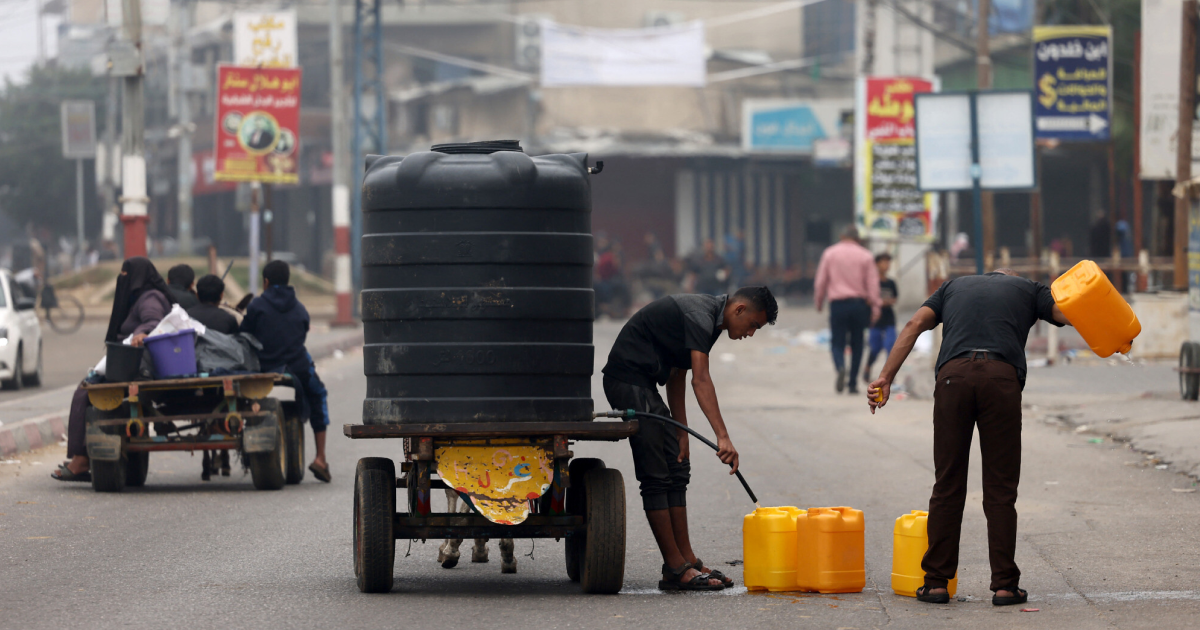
(830, 550)
(909, 543)
(769, 549)
(1096, 309)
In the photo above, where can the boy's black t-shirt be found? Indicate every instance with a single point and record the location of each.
(887, 316)
(662, 336)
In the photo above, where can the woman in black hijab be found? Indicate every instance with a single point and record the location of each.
(140, 303)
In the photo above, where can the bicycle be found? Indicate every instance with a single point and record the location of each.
(65, 314)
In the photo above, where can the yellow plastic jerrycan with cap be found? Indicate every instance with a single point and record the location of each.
(909, 543)
(769, 549)
(1096, 309)
(830, 550)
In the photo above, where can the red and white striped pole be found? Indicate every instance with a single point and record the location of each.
(341, 260)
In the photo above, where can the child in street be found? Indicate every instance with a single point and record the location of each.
(883, 332)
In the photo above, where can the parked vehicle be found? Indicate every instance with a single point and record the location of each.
(20, 336)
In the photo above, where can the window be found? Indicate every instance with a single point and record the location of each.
(828, 28)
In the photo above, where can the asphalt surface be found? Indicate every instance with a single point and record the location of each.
(1104, 541)
(66, 359)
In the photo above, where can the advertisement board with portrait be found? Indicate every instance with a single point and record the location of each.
(258, 125)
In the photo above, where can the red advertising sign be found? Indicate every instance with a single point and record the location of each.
(258, 125)
(890, 111)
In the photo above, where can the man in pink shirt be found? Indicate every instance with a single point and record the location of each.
(848, 279)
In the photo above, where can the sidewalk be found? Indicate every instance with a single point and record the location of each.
(39, 420)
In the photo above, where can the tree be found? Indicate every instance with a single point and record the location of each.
(36, 183)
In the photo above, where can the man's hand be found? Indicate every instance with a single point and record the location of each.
(685, 449)
(727, 454)
(878, 393)
(137, 340)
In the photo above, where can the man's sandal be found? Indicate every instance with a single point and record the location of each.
(65, 474)
(671, 580)
(320, 472)
(1020, 597)
(714, 574)
(924, 595)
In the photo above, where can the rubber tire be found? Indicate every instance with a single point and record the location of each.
(35, 379)
(603, 569)
(294, 438)
(108, 476)
(374, 537)
(136, 467)
(267, 470)
(1189, 357)
(576, 505)
(18, 380)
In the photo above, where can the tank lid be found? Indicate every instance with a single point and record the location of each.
(478, 148)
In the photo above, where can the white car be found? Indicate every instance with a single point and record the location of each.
(20, 336)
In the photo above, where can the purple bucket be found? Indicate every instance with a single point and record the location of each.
(174, 354)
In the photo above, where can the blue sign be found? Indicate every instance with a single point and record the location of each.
(785, 129)
(1072, 82)
(1009, 16)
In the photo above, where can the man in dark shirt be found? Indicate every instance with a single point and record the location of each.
(980, 374)
(882, 335)
(210, 290)
(657, 346)
(280, 323)
(179, 283)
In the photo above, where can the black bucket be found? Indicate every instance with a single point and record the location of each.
(123, 362)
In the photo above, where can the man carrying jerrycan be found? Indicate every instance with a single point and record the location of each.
(980, 374)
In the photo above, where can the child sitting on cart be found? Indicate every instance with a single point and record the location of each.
(280, 322)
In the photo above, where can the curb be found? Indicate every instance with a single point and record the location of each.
(46, 430)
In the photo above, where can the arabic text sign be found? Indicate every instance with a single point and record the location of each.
(258, 125)
(78, 129)
(265, 40)
(889, 106)
(668, 55)
(1073, 69)
(790, 126)
(889, 202)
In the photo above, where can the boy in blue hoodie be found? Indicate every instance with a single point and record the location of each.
(280, 322)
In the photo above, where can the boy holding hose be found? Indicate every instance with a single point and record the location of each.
(657, 346)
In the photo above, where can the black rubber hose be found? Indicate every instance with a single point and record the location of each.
(632, 413)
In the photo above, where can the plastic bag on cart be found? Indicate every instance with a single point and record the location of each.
(231, 353)
(176, 321)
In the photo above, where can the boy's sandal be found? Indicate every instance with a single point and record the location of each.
(671, 577)
(1020, 597)
(714, 574)
(320, 472)
(64, 474)
(924, 595)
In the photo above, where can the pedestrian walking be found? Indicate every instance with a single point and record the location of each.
(980, 375)
(848, 279)
(882, 335)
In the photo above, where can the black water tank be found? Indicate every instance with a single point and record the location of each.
(477, 301)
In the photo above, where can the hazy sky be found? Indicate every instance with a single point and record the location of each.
(18, 32)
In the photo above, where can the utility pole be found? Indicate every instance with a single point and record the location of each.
(341, 174)
(183, 85)
(1183, 155)
(108, 191)
(133, 139)
(868, 47)
(983, 73)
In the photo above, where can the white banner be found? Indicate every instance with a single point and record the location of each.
(1161, 49)
(265, 39)
(670, 55)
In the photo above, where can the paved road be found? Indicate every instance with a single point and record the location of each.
(1104, 541)
(66, 359)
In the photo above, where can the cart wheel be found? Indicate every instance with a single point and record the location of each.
(136, 467)
(1189, 357)
(268, 470)
(374, 509)
(107, 476)
(294, 437)
(577, 506)
(603, 567)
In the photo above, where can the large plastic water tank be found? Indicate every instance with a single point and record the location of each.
(477, 301)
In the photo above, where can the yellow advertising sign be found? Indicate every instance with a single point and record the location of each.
(499, 480)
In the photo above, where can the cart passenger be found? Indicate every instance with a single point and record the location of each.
(210, 290)
(181, 281)
(657, 346)
(280, 323)
(141, 300)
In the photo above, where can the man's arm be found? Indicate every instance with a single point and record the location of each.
(1060, 318)
(820, 282)
(676, 400)
(880, 391)
(706, 395)
(873, 289)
